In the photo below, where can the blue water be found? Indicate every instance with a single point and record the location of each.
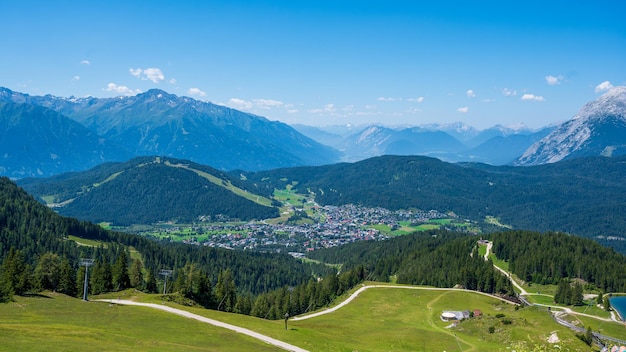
(619, 304)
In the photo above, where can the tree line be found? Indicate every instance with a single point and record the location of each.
(548, 258)
(31, 230)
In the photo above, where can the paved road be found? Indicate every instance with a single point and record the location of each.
(186, 314)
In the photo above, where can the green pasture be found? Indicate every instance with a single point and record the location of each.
(392, 319)
(53, 322)
(86, 242)
(608, 328)
(380, 319)
(226, 184)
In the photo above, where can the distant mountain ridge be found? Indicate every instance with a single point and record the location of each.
(159, 123)
(599, 128)
(456, 142)
(37, 141)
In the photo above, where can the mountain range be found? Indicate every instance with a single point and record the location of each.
(151, 123)
(46, 135)
(598, 129)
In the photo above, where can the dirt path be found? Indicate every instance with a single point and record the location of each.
(360, 290)
(186, 314)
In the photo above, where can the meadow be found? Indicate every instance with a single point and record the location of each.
(380, 319)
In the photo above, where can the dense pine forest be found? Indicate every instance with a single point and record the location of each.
(34, 240)
(550, 257)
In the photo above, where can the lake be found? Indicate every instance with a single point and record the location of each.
(619, 304)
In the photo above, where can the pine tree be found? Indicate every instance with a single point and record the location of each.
(225, 291)
(136, 274)
(577, 295)
(67, 278)
(151, 283)
(119, 271)
(16, 273)
(48, 272)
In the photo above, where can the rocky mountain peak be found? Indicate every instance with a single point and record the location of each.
(599, 128)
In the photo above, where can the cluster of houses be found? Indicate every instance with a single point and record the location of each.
(334, 226)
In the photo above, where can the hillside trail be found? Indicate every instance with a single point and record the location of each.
(366, 287)
(522, 291)
(281, 344)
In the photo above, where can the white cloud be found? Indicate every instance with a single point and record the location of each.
(508, 92)
(604, 86)
(196, 92)
(85, 62)
(414, 111)
(76, 78)
(154, 74)
(554, 80)
(532, 97)
(149, 74)
(239, 104)
(463, 110)
(267, 103)
(135, 72)
(470, 93)
(112, 87)
(173, 81)
(329, 108)
(417, 100)
(388, 99)
(292, 111)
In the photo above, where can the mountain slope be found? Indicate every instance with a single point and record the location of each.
(148, 190)
(502, 150)
(599, 128)
(158, 123)
(37, 141)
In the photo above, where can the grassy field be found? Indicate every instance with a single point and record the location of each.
(390, 319)
(54, 322)
(380, 319)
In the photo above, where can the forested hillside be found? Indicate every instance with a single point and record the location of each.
(547, 258)
(586, 197)
(29, 232)
(435, 258)
(148, 190)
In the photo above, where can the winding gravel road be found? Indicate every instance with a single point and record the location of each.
(256, 335)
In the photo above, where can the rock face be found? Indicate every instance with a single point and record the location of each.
(599, 128)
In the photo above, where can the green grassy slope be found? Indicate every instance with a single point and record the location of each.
(59, 323)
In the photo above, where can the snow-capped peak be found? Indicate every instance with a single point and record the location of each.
(610, 103)
(576, 136)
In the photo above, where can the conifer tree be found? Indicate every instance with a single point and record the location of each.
(48, 272)
(136, 274)
(67, 278)
(119, 271)
(225, 291)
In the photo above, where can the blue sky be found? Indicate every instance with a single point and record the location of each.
(326, 62)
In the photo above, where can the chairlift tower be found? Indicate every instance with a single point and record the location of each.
(167, 273)
(86, 263)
